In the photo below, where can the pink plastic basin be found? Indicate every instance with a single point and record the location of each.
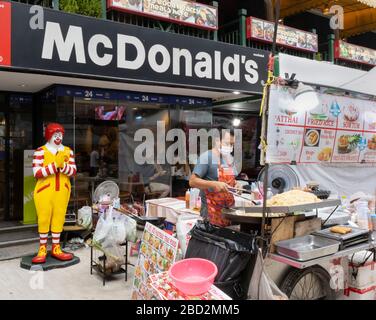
(193, 276)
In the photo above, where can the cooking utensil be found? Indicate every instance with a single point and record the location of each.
(307, 247)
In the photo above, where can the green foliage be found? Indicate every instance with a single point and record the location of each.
(91, 8)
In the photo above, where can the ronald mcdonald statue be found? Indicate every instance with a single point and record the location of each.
(53, 165)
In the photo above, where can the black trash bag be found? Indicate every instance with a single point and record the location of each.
(234, 254)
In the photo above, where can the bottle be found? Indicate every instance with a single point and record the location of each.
(187, 199)
(363, 215)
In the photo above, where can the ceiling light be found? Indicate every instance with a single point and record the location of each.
(370, 3)
(236, 92)
(138, 118)
(236, 122)
(22, 85)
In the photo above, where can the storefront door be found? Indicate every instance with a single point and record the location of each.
(3, 179)
(16, 135)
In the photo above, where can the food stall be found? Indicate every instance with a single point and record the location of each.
(310, 260)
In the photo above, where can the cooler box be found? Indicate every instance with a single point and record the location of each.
(365, 293)
(362, 270)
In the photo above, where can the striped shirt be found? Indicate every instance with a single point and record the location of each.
(41, 171)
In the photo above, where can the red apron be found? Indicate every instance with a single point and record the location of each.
(216, 201)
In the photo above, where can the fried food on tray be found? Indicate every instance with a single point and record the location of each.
(292, 197)
(340, 230)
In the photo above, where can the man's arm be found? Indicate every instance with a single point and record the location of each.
(196, 182)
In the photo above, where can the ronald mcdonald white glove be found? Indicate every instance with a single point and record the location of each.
(61, 158)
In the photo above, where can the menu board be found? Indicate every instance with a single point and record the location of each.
(179, 11)
(339, 130)
(354, 53)
(157, 253)
(263, 30)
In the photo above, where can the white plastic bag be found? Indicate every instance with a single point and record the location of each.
(131, 229)
(85, 217)
(184, 224)
(103, 227)
(262, 287)
(118, 231)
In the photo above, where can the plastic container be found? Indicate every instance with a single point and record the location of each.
(193, 276)
(363, 215)
(373, 220)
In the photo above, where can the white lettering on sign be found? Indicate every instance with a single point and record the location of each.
(54, 37)
(180, 61)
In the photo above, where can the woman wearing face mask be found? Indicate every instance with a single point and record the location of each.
(213, 174)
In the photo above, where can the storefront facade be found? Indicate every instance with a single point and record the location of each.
(105, 81)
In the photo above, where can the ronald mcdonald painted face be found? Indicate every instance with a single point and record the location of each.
(57, 138)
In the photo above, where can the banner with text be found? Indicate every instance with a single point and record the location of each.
(339, 130)
(178, 11)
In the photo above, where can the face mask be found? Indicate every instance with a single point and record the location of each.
(225, 150)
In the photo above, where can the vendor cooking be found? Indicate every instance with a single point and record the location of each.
(214, 174)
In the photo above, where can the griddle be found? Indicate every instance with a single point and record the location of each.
(356, 236)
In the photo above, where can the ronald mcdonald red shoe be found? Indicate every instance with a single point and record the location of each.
(41, 257)
(60, 255)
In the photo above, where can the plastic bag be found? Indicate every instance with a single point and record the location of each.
(262, 287)
(103, 227)
(118, 231)
(184, 225)
(131, 229)
(85, 217)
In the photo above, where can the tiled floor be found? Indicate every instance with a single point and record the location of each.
(62, 284)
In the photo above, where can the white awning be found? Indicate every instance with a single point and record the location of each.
(327, 74)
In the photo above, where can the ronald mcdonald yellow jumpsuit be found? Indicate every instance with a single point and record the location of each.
(52, 167)
(52, 191)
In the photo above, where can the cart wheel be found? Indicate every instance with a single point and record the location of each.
(312, 283)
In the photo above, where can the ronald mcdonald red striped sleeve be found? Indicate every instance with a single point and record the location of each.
(39, 170)
(70, 168)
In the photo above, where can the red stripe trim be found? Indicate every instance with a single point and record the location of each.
(48, 171)
(66, 186)
(44, 187)
(71, 163)
(40, 149)
(37, 165)
(39, 174)
(362, 291)
(5, 33)
(38, 157)
(54, 167)
(57, 181)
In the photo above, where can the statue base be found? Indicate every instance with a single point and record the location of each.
(51, 263)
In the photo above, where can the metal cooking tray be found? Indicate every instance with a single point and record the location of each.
(356, 232)
(292, 209)
(307, 247)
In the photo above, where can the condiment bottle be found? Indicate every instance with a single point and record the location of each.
(187, 199)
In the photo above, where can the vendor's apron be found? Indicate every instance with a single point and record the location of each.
(216, 201)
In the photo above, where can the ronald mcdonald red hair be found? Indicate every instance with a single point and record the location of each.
(51, 129)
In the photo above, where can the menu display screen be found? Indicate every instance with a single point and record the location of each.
(179, 11)
(351, 52)
(263, 30)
